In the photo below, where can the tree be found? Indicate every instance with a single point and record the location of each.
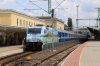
(70, 23)
(65, 27)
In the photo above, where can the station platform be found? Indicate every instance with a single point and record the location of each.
(87, 54)
(9, 50)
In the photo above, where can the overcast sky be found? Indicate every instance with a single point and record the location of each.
(86, 9)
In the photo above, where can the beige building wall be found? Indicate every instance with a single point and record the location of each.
(23, 21)
(5, 19)
(56, 24)
(14, 18)
(60, 25)
(48, 24)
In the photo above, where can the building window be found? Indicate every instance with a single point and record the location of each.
(39, 25)
(34, 24)
(47, 25)
(23, 23)
(50, 25)
(20, 22)
(26, 24)
(17, 22)
(29, 23)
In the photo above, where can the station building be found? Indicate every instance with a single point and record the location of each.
(13, 24)
(57, 23)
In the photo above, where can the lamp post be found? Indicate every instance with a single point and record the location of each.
(77, 16)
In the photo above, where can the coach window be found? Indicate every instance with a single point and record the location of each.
(60, 34)
(69, 35)
(17, 22)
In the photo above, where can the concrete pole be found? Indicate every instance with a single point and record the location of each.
(99, 17)
(77, 17)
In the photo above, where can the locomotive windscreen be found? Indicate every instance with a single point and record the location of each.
(34, 30)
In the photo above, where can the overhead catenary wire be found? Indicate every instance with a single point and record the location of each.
(24, 6)
(62, 7)
(38, 6)
(19, 3)
(39, 0)
(59, 4)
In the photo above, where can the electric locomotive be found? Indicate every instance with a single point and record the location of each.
(39, 35)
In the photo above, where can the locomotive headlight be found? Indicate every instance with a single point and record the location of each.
(28, 40)
(38, 40)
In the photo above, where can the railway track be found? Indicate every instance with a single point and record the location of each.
(38, 58)
(8, 59)
(56, 59)
(50, 58)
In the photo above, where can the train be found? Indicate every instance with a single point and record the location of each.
(85, 35)
(38, 36)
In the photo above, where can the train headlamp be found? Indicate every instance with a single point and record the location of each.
(28, 40)
(38, 40)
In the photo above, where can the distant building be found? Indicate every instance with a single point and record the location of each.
(58, 23)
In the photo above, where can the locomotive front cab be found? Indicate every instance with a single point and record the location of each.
(33, 38)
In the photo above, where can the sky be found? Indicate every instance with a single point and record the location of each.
(87, 9)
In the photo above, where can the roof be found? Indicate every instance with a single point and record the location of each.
(92, 29)
(18, 12)
(49, 18)
(5, 28)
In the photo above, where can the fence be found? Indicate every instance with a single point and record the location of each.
(54, 46)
